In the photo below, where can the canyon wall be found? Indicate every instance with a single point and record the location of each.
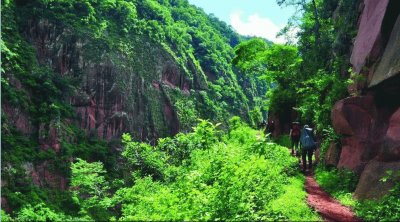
(369, 120)
(116, 93)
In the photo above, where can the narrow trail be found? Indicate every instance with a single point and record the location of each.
(329, 208)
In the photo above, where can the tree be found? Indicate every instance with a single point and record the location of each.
(90, 189)
(303, 4)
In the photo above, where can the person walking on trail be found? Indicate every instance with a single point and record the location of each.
(270, 127)
(307, 145)
(295, 137)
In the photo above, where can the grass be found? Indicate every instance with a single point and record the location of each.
(293, 203)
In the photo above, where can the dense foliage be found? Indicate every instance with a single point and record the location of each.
(311, 75)
(208, 172)
(205, 174)
(341, 183)
(200, 44)
(233, 177)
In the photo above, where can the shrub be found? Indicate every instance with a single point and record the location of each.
(236, 177)
(39, 212)
(340, 183)
(90, 189)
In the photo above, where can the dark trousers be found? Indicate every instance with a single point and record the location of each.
(307, 153)
(295, 143)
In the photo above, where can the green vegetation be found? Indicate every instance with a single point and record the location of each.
(312, 75)
(385, 209)
(209, 175)
(199, 45)
(205, 174)
(341, 184)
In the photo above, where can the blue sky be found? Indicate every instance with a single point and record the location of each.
(263, 18)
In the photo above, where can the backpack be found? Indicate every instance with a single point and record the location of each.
(295, 130)
(306, 140)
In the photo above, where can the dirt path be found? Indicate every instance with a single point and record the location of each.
(329, 208)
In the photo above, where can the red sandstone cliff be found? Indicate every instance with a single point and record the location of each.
(369, 121)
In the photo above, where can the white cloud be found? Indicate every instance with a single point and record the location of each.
(255, 25)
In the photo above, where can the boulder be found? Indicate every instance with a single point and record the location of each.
(393, 131)
(339, 122)
(368, 44)
(390, 150)
(332, 155)
(370, 185)
(354, 154)
(353, 116)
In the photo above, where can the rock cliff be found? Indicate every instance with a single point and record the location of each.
(120, 84)
(369, 121)
(82, 72)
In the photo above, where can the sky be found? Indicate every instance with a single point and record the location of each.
(261, 18)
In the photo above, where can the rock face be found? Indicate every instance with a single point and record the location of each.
(370, 124)
(370, 185)
(116, 93)
(121, 71)
(390, 62)
(368, 42)
(332, 155)
(113, 97)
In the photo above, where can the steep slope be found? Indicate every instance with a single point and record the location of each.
(125, 65)
(77, 74)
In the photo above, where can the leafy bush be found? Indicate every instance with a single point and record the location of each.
(90, 189)
(39, 212)
(236, 177)
(283, 140)
(143, 158)
(187, 114)
(42, 212)
(340, 183)
(290, 206)
(4, 216)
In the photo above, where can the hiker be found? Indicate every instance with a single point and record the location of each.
(295, 137)
(270, 127)
(307, 145)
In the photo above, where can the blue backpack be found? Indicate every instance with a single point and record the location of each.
(306, 140)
